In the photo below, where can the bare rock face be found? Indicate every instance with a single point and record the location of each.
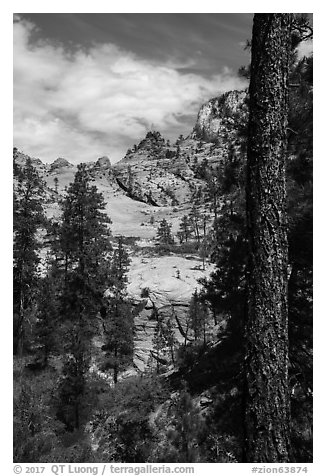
(220, 115)
(163, 174)
(154, 172)
(60, 163)
(161, 286)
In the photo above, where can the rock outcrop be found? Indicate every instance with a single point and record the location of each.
(103, 163)
(21, 158)
(162, 174)
(220, 116)
(60, 163)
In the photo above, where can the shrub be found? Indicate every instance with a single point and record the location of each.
(144, 293)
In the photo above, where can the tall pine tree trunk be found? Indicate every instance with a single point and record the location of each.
(266, 335)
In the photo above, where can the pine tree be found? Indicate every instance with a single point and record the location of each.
(188, 426)
(72, 387)
(84, 241)
(47, 313)
(184, 433)
(119, 267)
(164, 233)
(28, 218)
(84, 234)
(195, 220)
(198, 317)
(225, 289)
(56, 182)
(117, 317)
(300, 234)
(117, 321)
(186, 227)
(266, 338)
(203, 250)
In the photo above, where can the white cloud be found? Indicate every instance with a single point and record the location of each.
(305, 48)
(86, 104)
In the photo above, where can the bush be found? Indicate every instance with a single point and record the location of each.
(187, 247)
(163, 249)
(180, 431)
(127, 436)
(188, 355)
(144, 293)
(36, 430)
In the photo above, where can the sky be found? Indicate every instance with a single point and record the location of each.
(89, 85)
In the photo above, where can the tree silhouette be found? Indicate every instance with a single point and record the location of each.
(117, 317)
(164, 232)
(186, 227)
(84, 239)
(28, 218)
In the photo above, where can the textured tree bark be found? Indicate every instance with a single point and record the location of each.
(266, 330)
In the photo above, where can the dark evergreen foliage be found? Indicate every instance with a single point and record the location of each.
(164, 234)
(84, 241)
(28, 219)
(117, 317)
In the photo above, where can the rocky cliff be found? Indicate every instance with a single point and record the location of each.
(221, 117)
(163, 285)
